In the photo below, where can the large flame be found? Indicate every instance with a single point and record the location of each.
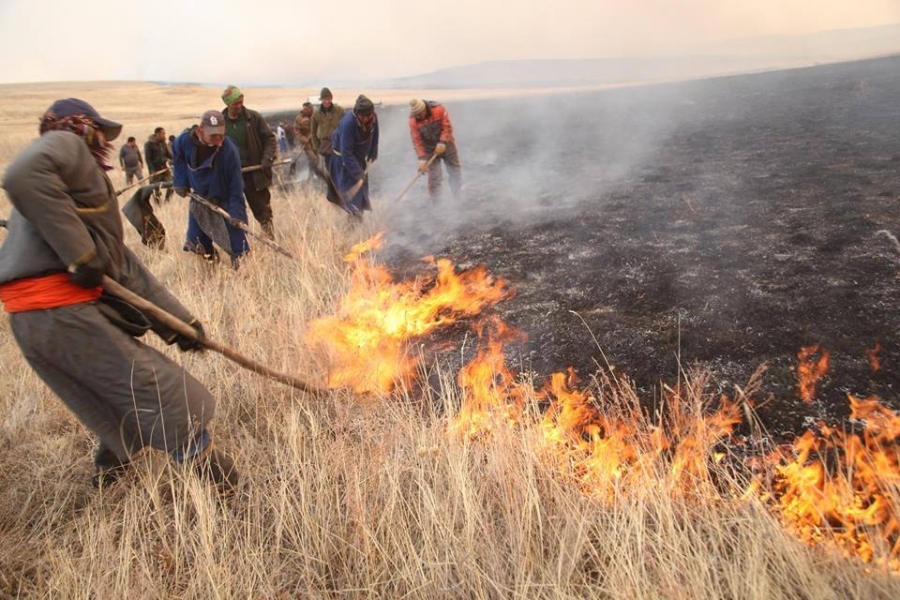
(831, 486)
(366, 341)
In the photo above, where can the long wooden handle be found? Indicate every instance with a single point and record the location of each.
(416, 178)
(140, 181)
(179, 326)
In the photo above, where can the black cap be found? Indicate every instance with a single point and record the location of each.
(325, 93)
(73, 106)
(363, 106)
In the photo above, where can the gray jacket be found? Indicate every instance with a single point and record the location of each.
(66, 212)
(130, 157)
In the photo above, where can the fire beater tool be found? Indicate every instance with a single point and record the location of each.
(419, 173)
(240, 225)
(179, 326)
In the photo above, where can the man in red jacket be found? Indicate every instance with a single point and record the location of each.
(432, 137)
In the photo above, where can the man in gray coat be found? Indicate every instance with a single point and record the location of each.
(65, 235)
(131, 161)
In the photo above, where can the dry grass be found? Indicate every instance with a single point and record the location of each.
(345, 497)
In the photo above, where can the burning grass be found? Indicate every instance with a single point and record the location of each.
(434, 480)
(601, 438)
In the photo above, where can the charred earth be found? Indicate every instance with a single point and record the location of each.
(725, 223)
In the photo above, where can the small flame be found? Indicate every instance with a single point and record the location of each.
(490, 390)
(872, 353)
(810, 370)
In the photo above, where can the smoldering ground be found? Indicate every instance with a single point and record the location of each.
(724, 223)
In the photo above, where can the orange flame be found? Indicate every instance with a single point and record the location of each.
(367, 339)
(490, 390)
(833, 487)
(844, 488)
(810, 370)
(872, 353)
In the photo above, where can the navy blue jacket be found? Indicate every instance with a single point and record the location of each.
(218, 179)
(352, 148)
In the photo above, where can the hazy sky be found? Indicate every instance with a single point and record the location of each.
(300, 41)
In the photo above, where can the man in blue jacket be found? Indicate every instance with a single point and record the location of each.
(355, 143)
(208, 163)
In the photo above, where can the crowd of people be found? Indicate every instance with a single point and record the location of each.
(65, 240)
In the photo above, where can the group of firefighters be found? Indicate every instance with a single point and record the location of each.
(64, 252)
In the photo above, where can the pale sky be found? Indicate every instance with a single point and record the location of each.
(299, 41)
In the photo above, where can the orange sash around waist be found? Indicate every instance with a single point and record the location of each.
(40, 293)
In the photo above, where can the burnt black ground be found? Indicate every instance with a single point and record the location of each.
(728, 222)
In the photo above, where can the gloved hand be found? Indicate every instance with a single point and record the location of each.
(440, 149)
(89, 274)
(267, 166)
(187, 344)
(182, 191)
(423, 166)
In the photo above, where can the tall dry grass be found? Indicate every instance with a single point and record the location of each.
(346, 496)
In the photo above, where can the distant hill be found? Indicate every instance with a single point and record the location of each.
(771, 52)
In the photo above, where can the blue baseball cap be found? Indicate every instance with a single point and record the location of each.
(73, 106)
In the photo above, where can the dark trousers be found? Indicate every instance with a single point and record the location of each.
(260, 201)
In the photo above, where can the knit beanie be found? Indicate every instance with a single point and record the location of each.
(231, 93)
(416, 106)
(363, 106)
(325, 93)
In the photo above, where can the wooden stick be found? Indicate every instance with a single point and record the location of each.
(252, 168)
(416, 178)
(182, 328)
(140, 181)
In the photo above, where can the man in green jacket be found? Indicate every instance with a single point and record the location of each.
(258, 148)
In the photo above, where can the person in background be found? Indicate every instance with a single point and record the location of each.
(255, 142)
(65, 236)
(131, 161)
(302, 132)
(355, 145)
(324, 122)
(208, 163)
(432, 136)
(281, 137)
(157, 155)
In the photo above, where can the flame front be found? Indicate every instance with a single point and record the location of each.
(834, 487)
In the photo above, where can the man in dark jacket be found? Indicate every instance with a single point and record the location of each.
(65, 235)
(158, 155)
(208, 163)
(432, 136)
(355, 146)
(257, 147)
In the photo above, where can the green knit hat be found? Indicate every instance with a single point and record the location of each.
(231, 93)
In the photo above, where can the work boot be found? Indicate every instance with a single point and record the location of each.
(108, 467)
(218, 468)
